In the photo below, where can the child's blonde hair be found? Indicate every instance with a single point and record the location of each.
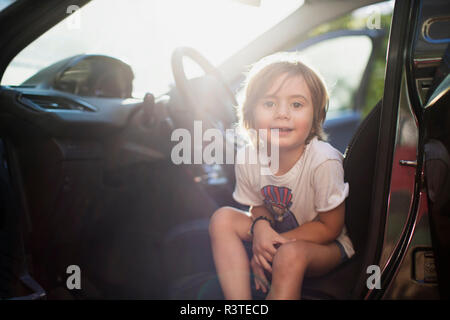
(263, 74)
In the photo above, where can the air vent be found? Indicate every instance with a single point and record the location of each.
(50, 103)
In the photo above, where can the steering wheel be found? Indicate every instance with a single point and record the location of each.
(188, 92)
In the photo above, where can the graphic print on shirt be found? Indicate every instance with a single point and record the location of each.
(278, 201)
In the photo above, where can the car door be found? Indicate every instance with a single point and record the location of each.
(15, 279)
(413, 152)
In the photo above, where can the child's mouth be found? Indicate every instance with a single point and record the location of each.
(283, 131)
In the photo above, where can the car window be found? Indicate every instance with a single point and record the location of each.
(370, 18)
(5, 3)
(350, 53)
(341, 61)
(144, 34)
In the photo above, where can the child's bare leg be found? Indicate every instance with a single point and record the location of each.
(227, 229)
(293, 260)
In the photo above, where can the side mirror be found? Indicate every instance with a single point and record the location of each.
(87, 75)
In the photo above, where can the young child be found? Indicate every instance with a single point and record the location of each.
(296, 216)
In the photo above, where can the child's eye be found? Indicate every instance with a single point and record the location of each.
(269, 104)
(296, 104)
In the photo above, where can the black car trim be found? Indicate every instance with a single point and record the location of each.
(398, 255)
(386, 141)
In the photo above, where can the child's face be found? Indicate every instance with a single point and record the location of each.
(286, 106)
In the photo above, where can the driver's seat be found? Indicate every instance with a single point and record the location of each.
(345, 282)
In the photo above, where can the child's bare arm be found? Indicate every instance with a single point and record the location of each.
(325, 230)
(259, 211)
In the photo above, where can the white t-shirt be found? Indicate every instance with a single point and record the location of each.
(314, 184)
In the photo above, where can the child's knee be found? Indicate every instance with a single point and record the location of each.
(221, 220)
(291, 255)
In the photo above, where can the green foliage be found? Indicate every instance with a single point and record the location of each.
(376, 80)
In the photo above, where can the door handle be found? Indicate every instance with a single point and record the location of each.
(408, 163)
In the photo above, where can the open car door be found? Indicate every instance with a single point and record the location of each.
(412, 159)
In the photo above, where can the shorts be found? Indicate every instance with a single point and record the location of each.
(344, 256)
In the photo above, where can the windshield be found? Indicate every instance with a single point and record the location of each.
(144, 34)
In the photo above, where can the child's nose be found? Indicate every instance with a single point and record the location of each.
(282, 111)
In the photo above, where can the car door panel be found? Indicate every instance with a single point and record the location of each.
(410, 268)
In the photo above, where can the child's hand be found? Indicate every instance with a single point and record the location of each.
(259, 276)
(265, 244)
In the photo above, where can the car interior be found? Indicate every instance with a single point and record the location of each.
(86, 177)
